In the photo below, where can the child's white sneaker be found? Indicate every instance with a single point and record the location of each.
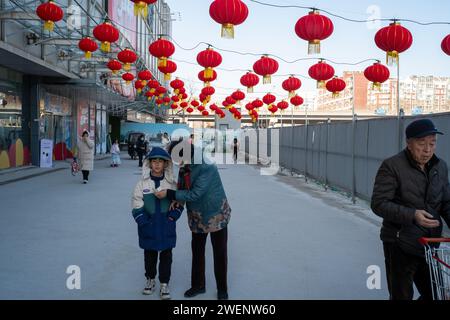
(149, 287)
(164, 292)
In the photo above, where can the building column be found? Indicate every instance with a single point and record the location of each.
(30, 103)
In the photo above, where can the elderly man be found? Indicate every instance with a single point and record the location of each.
(411, 194)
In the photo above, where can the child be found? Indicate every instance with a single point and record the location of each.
(156, 219)
(115, 154)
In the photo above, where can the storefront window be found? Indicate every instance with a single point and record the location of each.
(13, 152)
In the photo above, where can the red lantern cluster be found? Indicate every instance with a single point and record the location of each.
(314, 28)
(377, 74)
(265, 67)
(249, 80)
(228, 13)
(335, 86)
(50, 13)
(162, 49)
(394, 39)
(321, 72)
(106, 33)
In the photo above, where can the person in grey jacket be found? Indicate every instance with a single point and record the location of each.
(412, 195)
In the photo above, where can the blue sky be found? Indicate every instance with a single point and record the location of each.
(271, 30)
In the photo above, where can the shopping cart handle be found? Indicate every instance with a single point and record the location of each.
(426, 241)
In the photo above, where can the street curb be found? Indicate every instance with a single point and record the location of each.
(31, 176)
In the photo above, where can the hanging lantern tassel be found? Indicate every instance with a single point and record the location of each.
(88, 54)
(376, 86)
(139, 91)
(105, 46)
(267, 79)
(208, 73)
(48, 25)
(314, 47)
(250, 90)
(140, 8)
(167, 76)
(320, 84)
(162, 62)
(144, 82)
(228, 31)
(392, 58)
(335, 95)
(291, 94)
(127, 67)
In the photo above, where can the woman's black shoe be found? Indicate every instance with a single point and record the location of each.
(192, 292)
(222, 295)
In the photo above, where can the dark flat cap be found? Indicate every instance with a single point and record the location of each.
(421, 128)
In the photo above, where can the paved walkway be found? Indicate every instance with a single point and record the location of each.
(287, 240)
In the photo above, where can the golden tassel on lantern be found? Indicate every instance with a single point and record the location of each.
(227, 31)
(376, 86)
(144, 82)
(167, 76)
(267, 79)
(314, 47)
(392, 58)
(127, 67)
(162, 62)
(335, 95)
(88, 54)
(105, 46)
(139, 91)
(249, 89)
(48, 25)
(291, 94)
(208, 73)
(320, 84)
(140, 8)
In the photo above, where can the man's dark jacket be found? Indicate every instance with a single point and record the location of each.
(400, 189)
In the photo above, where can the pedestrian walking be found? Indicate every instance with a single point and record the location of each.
(141, 148)
(412, 195)
(156, 219)
(85, 155)
(235, 148)
(201, 188)
(115, 154)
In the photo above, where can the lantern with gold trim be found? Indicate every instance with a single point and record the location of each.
(228, 13)
(168, 69)
(127, 57)
(162, 49)
(141, 7)
(50, 13)
(314, 28)
(106, 33)
(394, 39)
(209, 59)
(87, 45)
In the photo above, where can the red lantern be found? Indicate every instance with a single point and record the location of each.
(174, 106)
(213, 107)
(393, 39)
(205, 113)
(127, 57)
(160, 91)
(184, 104)
(249, 80)
(170, 68)
(139, 85)
(166, 100)
(195, 103)
(230, 101)
(149, 95)
(208, 91)
(141, 7)
(50, 13)
(265, 67)
(128, 77)
(209, 59)
(273, 109)
(88, 46)
(445, 45)
(335, 86)
(282, 105)
(106, 33)
(228, 13)
(145, 76)
(297, 101)
(291, 85)
(176, 85)
(321, 72)
(162, 49)
(114, 66)
(190, 110)
(249, 106)
(175, 99)
(257, 103)
(314, 28)
(269, 99)
(153, 85)
(377, 74)
(159, 102)
(207, 80)
(238, 95)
